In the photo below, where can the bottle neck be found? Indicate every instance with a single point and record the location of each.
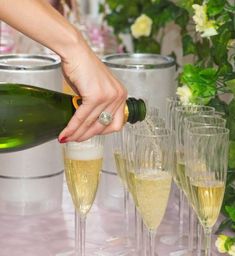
(134, 111)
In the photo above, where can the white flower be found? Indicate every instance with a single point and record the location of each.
(184, 94)
(203, 25)
(232, 250)
(142, 26)
(219, 243)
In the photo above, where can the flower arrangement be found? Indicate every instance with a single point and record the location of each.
(225, 244)
(207, 31)
(143, 20)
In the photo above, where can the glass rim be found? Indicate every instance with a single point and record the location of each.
(166, 61)
(189, 119)
(182, 107)
(173, 99)
(196, 130)
(155, 135)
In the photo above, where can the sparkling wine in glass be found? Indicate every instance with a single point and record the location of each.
(153, 163)
(180, 177)
(206, 159)
(197, 120)
(83, 163)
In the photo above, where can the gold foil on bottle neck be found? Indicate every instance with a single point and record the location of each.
(126, 114)
(75, 101)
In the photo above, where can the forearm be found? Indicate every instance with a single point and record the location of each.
(41, 22)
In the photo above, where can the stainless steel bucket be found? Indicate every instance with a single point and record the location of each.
(31, 181)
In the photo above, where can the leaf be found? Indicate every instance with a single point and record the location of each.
(185, 4)
(188, 45)
(215, 7)
(231, 119)
(231, 158)
(231, 212)
(146, 45)
(231, 85)
(225, 68)
(220, 43)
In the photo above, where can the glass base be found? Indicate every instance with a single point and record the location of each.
(182, 252)
(102, 252)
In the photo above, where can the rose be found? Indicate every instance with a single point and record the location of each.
(203, 24)
(185, 94)
(142, 26)
(232, 250)
(220, 243)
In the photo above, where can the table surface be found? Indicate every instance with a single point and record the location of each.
(52, 234)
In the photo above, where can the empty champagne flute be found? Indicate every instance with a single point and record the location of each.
(83, 163)
(153, 163)
(206, 159)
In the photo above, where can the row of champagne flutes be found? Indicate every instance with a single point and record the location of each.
(149, 159)
(83, 163)
(201, 167)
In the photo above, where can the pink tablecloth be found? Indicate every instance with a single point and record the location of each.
(52, 234)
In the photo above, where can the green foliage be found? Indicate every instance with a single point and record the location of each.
(120, 15)
(211, 72)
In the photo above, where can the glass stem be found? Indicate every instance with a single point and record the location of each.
(191, 229)
(151, 243)
(207, 232)
(126, 210)
(199, 238)
(80, 234)
(181, 215)
(139, 233)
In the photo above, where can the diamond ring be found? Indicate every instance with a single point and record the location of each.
(105, 118)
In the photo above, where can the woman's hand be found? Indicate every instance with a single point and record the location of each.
(89, 77)
(100, 91)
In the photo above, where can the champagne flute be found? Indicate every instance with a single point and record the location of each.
(127, 133)
(83, 163)
(120, 162)
(153, 163)
(151, 122)
(171, 104)
(206, 159)
(196, 121)
(180, 178)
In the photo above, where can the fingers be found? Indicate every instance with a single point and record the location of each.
(98, 128)
(84, 124)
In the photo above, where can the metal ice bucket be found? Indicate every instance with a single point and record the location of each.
(31, 181)
(147, 76)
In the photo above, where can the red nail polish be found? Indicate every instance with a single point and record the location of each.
(63, 140)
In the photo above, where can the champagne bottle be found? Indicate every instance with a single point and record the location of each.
(30, 115)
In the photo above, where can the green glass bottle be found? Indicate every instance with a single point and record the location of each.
(30, 115)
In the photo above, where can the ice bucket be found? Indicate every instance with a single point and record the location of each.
(147, 76)
(31, 181)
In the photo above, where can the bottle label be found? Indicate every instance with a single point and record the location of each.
(77, 101)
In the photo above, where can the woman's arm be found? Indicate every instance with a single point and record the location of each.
(86, 74)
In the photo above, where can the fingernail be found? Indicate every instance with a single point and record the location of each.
(63, 140)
